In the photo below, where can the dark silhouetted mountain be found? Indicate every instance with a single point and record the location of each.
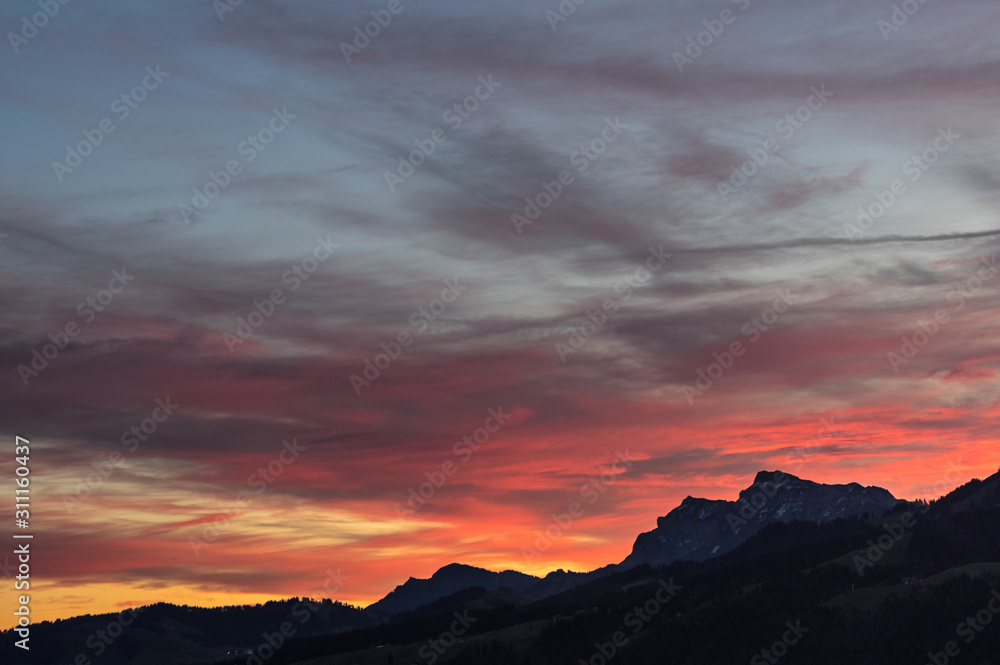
(455, 577)
(560, 580)
(975, 493)
(699, 529)
(926, 572)
(164, 634)
(857, 583)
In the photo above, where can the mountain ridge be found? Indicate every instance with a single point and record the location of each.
(699, 529)
(719, 525)
(955, 530)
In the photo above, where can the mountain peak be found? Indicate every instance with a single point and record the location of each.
(700, 529)
(454, 569)
(416, 592)
(776, 477)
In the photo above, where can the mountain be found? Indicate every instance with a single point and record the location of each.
(912, 585)
(975, 493)
(849, 583)
(696, 530)
(699, 529)
(561, 580)
(455, 577)
(165, 634)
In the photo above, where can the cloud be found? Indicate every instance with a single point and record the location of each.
(495, 345)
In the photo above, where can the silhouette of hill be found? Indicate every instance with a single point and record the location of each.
(697, 530)
(454, 577)
(916, 584)
(165, 634)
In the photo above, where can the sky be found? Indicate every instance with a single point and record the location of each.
(282, 298)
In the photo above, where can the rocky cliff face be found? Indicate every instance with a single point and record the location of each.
(700, 529)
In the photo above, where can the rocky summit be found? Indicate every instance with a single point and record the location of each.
(700, 529)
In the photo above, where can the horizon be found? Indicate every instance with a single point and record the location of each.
(364, 603)
(293, 287)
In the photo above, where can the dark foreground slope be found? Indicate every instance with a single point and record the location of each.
(697, 530)
(919, 584)
(165, 634)
(922, 582)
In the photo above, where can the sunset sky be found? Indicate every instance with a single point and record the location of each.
(622, 132)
